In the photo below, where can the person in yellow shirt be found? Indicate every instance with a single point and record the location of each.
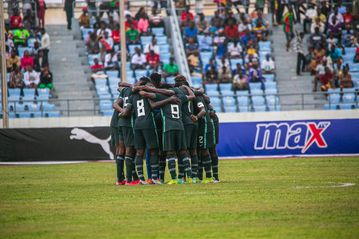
(11, 60)
(84, 19)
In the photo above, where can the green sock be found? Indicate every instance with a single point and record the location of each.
(139, 167)
(119, 168)
(194, 165)
(154, 166)
(172, 167)
(186, 161)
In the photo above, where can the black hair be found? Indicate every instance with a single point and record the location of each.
(155, 78)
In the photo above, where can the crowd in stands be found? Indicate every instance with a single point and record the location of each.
(102, 38)
(225, 48)
(27, 49)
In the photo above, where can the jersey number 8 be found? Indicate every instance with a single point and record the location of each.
(141, 108)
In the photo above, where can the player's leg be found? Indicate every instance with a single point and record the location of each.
(162, 165)
(201, 148)
(206, 162)
(184, 157)
(152, 143)
(116, 135)
(214, 155)
(191, 138)
(140, 145)
(169, 148)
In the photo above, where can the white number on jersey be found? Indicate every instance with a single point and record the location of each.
(125, 101)
(175, 111)
(140, 108)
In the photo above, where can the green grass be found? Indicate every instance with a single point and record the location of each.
(256, 199)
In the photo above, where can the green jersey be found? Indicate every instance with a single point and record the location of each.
(132, 34)
(205, 122)
(114, 118)
(187, 106)
(171, 115)
(21, 35)
(142, 112)
(125, 94)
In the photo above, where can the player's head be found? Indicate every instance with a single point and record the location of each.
(180, 80)
(143, 80)
(155, 78)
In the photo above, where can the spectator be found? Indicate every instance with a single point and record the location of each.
(20, 36)
(335, 53)
(202, 24)
(299, 49)
(212, 75)
(96, 67)
(240, 81)
(224, 74)
(356, 56)
(68, 7)
(205, 44)
(317, 24)
(156, 19)
(255, 74)
(235, 50)
(46, 79)
(111, 61)
(191, 31)
(101, 31)
(152, 46)
(335, 28)
(316, 39)
(92, 44)
(116, 34)
(132, 35)
(324, 73)
(171, 68)
(224, 63)
(310, 14)
(267, 65)
(187, 14)
(326, 79)
(345, 79)
(16, 20)
(288, 20)
(192, 47)
(138, 60)
(208, 66)
(143, 24)
(45, 46)
(16, 78)
(194, 63)
(31, 78)
(12, 60)
(130, 21)
(104, 48)
(230, 19)
(231, 32)
(260, 31)
(153, 60)
(84, 19)
(27, 60)
(41, 8)
(109, 40)
(39, 61)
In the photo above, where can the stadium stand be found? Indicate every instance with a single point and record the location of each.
(30, 81)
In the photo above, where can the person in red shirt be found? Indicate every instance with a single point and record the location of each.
(187, 14)
(97, 66)
(231, 32)
(27, 60)
(116, 34)
(15, 20)
(153, 60)
(130, 21)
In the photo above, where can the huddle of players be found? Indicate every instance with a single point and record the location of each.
(174, 123)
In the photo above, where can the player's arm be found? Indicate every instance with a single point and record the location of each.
(165, 92)
(190, 95)
(124, 84)
(116, 105)
(198, 92)
(206, 99)
(126, 112)
(158, 104)
(201, 113)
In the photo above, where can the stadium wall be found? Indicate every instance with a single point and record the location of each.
(243, 135)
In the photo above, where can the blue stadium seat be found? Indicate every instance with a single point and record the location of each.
(225, 86)
(334, 98)
(270, 85)
(331, 107)
(196, 79)
(24, 115)
(243, 100)
(86, 32)
(47, 106)
(255, 86)
(274, 108)
(164, 49)
(113, 74)
(211, 87)
(131, 48)
(269, 77)
(146, 40)
(15, 92)
(348, 98)
(350, 50)
(105, 104)
(256, 92)
(229, 101)
(272, 100)
(271, 91)
(227, 93)
(170, 80)
(37, 114)
(165, 58)
(230, 108)
(354, 67)
(162, 40)
(31, 42)
(216, 101)
(21, 50)
(242, 92)
(258, 100)
(259, 108)
(234, 63)
(243, 109)
(52, 114)
(158, 31)
(106, 112)
(29, 92)
(218, 108)
(213, 93)
(347, 106)
(140, 73)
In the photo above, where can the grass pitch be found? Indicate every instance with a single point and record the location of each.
(287, 198)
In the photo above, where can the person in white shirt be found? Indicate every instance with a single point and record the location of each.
(108, 39)
(235, 50)
(223, 63)
(101, 31)
(318, 24)
(138, 60)
(268, 65)
(152, 46)
(338, 16)
(310, 14)
(31, 78)
(45, 46)
(111, 61)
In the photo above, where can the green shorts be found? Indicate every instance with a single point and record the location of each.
(115, 136)
(173, 140)
(206, 140)
(190, 132)
(128, 137)
(145, 138)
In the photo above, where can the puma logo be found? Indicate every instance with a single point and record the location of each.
(81, 134)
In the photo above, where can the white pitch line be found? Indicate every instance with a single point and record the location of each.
(339, 185)
(42, 163)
